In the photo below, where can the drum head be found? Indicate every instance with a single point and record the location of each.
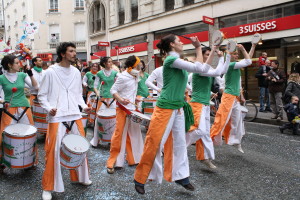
(140, 115)
(231, 46)
(20, 130)
(107, 112)
(76, 143)
(256, 38)
(217, 38)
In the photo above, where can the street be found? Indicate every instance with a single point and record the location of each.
(269, 169)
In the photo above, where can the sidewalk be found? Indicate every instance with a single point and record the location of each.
(265, 117)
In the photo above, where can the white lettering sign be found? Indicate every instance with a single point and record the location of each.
(257, 27)
(126, 49)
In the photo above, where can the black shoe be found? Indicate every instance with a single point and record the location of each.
(188, 186)
(140, 189)
(268, 110)
(275, 117)
(261, 110)
(279, 119)
(110, 170)
(281, 129)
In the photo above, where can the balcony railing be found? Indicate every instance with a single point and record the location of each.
(78, 44)
(55, 10)
(79, 8)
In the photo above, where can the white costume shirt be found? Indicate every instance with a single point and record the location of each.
(157, 75)
(38, 78)
(126, 86)
(61, 88)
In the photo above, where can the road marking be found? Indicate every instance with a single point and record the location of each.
(294, 141)
(257, 134)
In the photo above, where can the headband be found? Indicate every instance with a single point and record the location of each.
(135, 64)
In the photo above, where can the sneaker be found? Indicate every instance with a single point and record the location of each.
(86, 183)
(274, 117)
(46, 195)
(209, 164)
(110, 170)
(239, 147)
(279, 119)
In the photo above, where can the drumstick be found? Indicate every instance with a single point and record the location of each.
(134, 104)
(214, 95)
(190, 39)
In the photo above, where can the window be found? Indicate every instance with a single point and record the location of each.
(54, 33)
(169, 5)
(129, 41)
(121, 12)
(79, 32)
(53, 6)
(95, 48)
(188, 2)
(97, 18)
(79, 5)
(134, 10)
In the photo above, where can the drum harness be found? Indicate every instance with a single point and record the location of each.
(12, 116)
(69, 127)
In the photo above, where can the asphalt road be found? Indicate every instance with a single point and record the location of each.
(269, 169)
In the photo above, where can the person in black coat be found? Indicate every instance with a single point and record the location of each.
(261, 75)
(292, 111)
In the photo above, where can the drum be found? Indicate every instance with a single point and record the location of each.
(149, 105)
(139, 118)
(106, 121)
(217, 38)
(231, 46)
(256, 38)
(73, 151)
(84, 119)
(92, 101)
(19, 146)
(151, 92)
(39, 118)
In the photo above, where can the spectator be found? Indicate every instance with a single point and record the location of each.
(262, 59)
(293, 87)
(276, 79)
(292, 111)
(261, 75)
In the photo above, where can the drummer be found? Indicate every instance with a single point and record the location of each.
(143, 91)
(171, 114)
(200, 103)
(228, 121)
(102, 85)
(38, 74)
(16, 106)
(60, 94)
(88, 81)
(127, 133)
(156, 75)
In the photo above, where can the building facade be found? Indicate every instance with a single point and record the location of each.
(135, 26)
(58, 20)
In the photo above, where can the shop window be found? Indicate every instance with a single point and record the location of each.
(53, 6)
(134, 10)
(129, 41)
(121, 12)
(188, 2)
(97, 18)
(291, 10)
(169, 5)
(95, 48)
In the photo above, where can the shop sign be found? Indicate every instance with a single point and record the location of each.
(258, 27)
(126, 50)
(208, 20)
(103, 44)
(129, 49)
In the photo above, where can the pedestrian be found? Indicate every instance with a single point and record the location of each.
(16, 105)
(261, 75)
(262, 59)
(276, 79)
(200, 103)
(293, 87)
(228, 121)
(171, 114)
(60, 94)
(127, 135)
(292, 111)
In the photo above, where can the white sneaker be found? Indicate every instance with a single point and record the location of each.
(239, 147)
(209, 164)
(86, 183)
(46, 195)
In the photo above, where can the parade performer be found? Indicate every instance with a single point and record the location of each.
(171, 113)
(143, 91)
(38, 74)
(88, 81)
(200, 103)
(16, 106)
(127, 133)
(102, 85)
(156, 75)
(228, 121)
(60, 94)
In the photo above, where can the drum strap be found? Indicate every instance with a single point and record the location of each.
(123, 108)
(13, 117)
(105, 103)
(69, 128)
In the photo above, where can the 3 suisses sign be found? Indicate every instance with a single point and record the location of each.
(259, 27)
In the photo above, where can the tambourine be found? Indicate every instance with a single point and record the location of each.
(231, 46)
(256, 38)
(217, 38)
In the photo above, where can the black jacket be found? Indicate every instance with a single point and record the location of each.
(262, 79)
(292, 89)
(292, 111)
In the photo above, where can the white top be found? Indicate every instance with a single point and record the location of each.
(61, 88)
(84, 81)
(157, 75)
(242, 63)
(38, 76)
(126, 86)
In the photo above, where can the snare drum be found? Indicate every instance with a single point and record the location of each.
(139, 118)
(217, 38)
(149, 105)
(73, 151)
(19, 146)
(39, 118)
(231, 46)
(256, 38)
(106, 121)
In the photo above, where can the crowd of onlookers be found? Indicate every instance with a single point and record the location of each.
(278, 95)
